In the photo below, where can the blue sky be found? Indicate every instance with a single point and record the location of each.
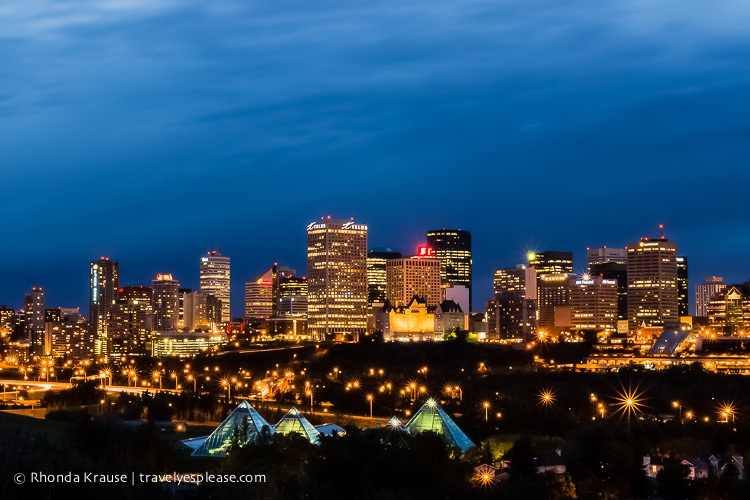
(150, 131)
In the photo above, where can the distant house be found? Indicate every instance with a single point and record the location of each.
(719, 465)
(699, 469)
(652, 466)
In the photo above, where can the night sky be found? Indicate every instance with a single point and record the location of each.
(151, 131)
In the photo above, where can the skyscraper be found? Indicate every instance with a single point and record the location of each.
(376, 273)
(259, 296)
(514, 307)
(453, 248)
(166, 302)
(34, 319)
(104, 283)
(215, 280)
(705, 292)
(652, 283)
(412, 276)
(611, 264)
(551, 262)
(683, 298)
(593, 303)
(131, 321)
(337, 279)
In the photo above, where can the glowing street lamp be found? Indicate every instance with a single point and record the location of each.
(370, 398)
(174, 376)
(156, 374)
(486, 406)
(546, 397)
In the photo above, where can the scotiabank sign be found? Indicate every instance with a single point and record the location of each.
(424, 251)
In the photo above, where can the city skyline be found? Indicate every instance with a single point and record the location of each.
(482, 283)
(154, 133)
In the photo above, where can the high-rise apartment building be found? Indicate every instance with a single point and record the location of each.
(453, 248)
(215, 280)
(514, 314)
(166, 302)
(104, 283)
(376, 273)
(705, 292)
(652, 283)
(336, 279)
(34, 319)
(407, 277)
(131, 321)
(683, 297)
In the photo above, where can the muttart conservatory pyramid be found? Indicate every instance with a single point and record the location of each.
(294, 423)
(242, 426)
(432, 418)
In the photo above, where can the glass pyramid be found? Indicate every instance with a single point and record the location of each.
(242, 426)
(432, 418)
(294, 423)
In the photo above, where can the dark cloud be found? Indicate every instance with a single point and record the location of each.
(150, 131)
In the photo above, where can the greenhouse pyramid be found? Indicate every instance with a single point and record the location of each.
(242, 426)
(294, 423)
(432, 418)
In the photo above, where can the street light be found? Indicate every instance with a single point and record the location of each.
(370, 398)
(486, 406)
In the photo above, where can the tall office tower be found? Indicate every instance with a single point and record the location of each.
(453, 248)
(683, 298)
(605, 254)
(553, 300)
(336, 279)
(259, 296)
(376, 276)
(214, 279)
(652, 283)
(292, 297)
(410, 276)
(165, 298)
(551, 262)
(131, 321)
(729, 311)
(617, 271)
(593, 303)
(104, 282)
(278, 274)
(34, 319)
(705, 292)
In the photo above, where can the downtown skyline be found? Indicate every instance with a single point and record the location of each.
(188, 276)
(154, 133)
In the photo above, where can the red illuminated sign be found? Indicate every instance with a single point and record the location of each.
(424, 251)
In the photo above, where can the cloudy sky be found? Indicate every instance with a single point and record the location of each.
(152, 131)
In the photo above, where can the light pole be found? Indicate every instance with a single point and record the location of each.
(174, 376)
(486, 406)
(370, 398)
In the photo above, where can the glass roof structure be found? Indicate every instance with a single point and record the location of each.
(242, 426)
(432, 418)
(294, 423)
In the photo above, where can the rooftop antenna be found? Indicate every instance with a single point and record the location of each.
(661, 231)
